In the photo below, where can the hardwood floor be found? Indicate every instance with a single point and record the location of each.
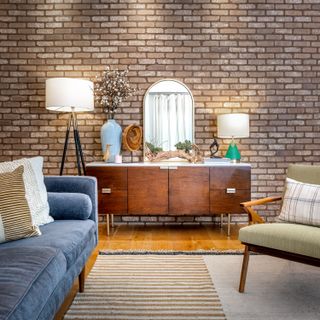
(169, 237)
(158, 237)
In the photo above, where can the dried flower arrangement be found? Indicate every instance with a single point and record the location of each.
(111, 88)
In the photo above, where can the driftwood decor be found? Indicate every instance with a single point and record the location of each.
(193, 156)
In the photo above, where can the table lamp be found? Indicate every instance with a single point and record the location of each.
(233, 125)
(72, 96)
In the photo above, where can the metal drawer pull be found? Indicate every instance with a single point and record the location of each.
(163, 168)
(106, 190)
(231, 190)
(173, 168)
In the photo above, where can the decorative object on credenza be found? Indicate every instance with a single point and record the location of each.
(233, 125)
(214, 148)
(186, 146)
(111, 88)
(168, 114)
(106, 154)
(71, 96)
(157, 154)
(132, 137)
(111, 134)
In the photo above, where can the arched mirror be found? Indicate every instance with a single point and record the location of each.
(168, 114)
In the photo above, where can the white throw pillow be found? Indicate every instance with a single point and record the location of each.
(301, 203)
(36, 192)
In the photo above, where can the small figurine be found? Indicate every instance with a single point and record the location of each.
(106, 155)
(214, 148)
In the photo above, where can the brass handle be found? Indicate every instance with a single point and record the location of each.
(106, 190)
(231, 190)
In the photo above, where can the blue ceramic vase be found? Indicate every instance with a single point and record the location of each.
(111, 133)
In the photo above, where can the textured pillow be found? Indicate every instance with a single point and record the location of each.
(15, 217)
(36, 192)
(301, 203)
(73, 206)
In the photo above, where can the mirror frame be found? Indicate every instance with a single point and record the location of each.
(145, 159)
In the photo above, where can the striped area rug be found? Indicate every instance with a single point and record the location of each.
(141, 287)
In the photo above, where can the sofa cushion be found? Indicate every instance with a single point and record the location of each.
(71, 236)
(68, 206)
(295, 238)
(15, 216)
(28, 276)
(36, 192)
(301, 203)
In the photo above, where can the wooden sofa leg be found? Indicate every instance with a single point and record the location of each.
(244, 269)
(82, 279)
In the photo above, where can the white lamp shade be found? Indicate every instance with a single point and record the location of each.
(69, 95)
(233, 125)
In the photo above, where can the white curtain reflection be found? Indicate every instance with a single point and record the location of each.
(169, 119)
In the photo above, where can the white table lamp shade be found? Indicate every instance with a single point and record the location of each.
(233, 125)
(69, 95)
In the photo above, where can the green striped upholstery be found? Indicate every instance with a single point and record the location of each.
(15, 217)
(294, 238)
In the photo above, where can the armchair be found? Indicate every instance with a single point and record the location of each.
(292, 241)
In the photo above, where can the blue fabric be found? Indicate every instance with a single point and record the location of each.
(66, 205)
(76, 184)
(28, 275)
(71, 236)
(66, 283)
(75, 238)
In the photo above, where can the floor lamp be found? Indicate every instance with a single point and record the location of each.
(71, 96)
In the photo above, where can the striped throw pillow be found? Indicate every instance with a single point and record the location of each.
(36, 192)
(301, 203)
(15, 217)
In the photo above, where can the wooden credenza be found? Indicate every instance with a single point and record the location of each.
(170, 189)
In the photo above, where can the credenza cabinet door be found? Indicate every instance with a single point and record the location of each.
(188, 191)
(147, 191)
(112, 189)
(228, 187)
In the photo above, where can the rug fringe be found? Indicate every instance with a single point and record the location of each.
(171, 252)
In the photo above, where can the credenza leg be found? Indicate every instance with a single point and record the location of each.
(221, 221)
(229, 220)
(108, 224)
(111, 221)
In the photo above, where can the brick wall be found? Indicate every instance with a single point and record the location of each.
(254, 56)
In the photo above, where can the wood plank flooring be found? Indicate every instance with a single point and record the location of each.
(169, 237)
(158, 237)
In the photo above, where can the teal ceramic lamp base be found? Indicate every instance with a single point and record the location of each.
(233, 153)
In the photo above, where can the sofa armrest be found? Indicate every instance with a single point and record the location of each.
(76, 184)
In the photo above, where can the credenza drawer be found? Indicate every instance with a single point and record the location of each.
(112, 189)
(230, 177)
(223, 202)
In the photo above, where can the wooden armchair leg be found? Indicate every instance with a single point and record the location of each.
(244, 269)
(82, 279)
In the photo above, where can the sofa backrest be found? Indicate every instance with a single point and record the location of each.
(304, 173)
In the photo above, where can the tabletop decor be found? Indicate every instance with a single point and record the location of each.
(183, 151)
(111, 89)
(233, 125)
(132, 137)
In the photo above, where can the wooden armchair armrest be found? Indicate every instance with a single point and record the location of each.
(260, 201)
(253, 215)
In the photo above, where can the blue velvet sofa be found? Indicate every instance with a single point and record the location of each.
(36, 274)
